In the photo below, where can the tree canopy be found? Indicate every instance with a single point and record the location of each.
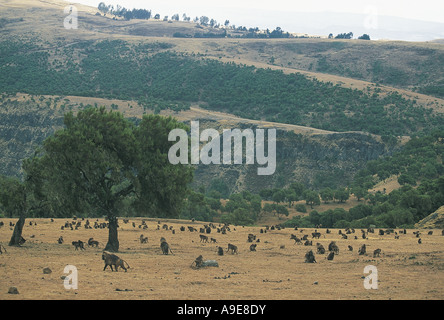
(101, 161)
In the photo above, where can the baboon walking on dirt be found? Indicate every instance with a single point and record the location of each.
(232, 248)
(165, 246)
(113, 260)
(78, 244)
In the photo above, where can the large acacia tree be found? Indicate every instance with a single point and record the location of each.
(101, 160)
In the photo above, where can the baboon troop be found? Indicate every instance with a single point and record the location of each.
(113, 260)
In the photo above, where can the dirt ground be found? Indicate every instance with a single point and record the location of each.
(275, 271)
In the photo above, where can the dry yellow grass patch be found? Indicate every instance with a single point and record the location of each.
(276, 271)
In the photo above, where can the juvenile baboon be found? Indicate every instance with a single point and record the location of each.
(93, 243)
(310, 257)
(165, 246)
(212, 240)
(232, 247)
(362, 250)
(376, 253)
(253, 247)
(78, 244)
(331, 255)
(113, 260)
(203, 238)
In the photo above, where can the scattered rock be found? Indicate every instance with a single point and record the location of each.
(47, 270)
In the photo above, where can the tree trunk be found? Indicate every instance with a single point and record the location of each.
(17, 234)
(113, 241)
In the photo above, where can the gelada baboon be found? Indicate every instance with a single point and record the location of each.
(197, 263)
(93, 243)
(165, 246)
(320, 248)
(113, 260)
(310, 257)
(253, 247)
(376, 253)
(331, 255)
(78, 244)
(60, 240)
(143, 239)
(220, 251)
(232, 247)
(333, 247)
(362, 250)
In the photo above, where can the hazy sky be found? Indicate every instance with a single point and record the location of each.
(428, 10)
(379, 18)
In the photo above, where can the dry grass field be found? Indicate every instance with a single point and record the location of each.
(275, 271)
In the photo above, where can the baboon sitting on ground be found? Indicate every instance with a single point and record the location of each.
(113, 260)
(333, 247)
(165, 246)
(331, 255)
(253, 247)
(362, 250)
(78, 244)
(220, 251)
(320, 248)
(309, 257)
(60, 240)
(197, 263)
